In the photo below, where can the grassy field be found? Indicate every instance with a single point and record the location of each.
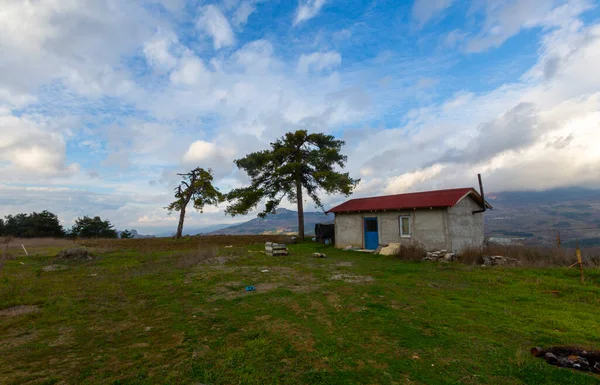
(161, 312)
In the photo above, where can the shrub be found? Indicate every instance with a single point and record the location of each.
(412, 252)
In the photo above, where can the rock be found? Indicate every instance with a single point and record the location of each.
(391, 249)
(551, 358)
(78, 255)
(537, 351)
(498, 260)
(439, 256)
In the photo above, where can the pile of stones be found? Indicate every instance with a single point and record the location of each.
(498, 260)
(440, 256)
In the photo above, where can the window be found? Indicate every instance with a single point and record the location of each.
(405, 226)
(371, 225)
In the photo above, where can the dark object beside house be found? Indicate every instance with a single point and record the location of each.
(325, 231)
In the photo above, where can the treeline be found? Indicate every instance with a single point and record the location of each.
(46, 224)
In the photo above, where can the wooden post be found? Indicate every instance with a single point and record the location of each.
(4, 253)
(579, 260)
(558, 239)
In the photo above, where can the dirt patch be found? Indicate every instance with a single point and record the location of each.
(344, 264)
(19, 310)
(351, 278)
(231, 290)
(54, 268)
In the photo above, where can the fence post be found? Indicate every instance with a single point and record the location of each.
(579, 260)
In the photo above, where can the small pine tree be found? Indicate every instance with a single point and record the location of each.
(87, 227)
(126, 234)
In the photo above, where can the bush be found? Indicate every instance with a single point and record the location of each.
(412, 252)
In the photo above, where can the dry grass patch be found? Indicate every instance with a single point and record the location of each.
(528, 256)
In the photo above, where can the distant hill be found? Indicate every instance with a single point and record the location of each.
(537, 216)
(195, 230)
(283, 222)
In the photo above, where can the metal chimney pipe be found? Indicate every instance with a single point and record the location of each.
(483, 210)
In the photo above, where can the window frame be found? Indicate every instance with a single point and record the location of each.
(400, 218)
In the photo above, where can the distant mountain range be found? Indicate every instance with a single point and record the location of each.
(539, 216)
(282, 222)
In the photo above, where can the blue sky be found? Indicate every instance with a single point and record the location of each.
(102, 103)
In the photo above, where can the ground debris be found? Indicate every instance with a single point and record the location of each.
(498, 260)
(440, 256)
(80, 254)
(569, 357)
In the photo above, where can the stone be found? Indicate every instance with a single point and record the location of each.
(78, 254)
(391, 249)
(498, 260)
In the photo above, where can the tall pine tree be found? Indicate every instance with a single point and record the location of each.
(295, 163)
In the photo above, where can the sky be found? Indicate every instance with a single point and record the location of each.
(103, 102)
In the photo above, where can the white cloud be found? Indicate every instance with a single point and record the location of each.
(240, 17)
(425, 10)
(203, 154)
(32, 147)
(307, 9)
(157, 51)
(319, 61)
(505, 20)
(76, 41)
(191, 71)
(212, 21)
(405, 182)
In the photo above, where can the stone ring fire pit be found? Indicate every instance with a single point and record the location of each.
(570, 357)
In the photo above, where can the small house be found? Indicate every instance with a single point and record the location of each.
(435, 220)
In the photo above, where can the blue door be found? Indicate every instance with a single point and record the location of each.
(371, 234)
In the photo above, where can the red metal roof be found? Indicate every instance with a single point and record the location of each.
(425, 199)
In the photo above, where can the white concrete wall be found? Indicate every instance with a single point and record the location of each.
(429, 228)
(348, 230)
(466, 228)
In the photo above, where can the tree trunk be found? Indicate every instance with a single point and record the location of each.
(182, 217)
(300, 210)
(180, 226)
